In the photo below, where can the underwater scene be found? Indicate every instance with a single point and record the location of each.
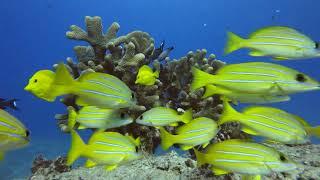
(173, 90)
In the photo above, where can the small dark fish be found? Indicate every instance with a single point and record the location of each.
(165, 53)
(12, 103)
(158, 51)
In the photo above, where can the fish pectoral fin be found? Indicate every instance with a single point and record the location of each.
(218, 171)
(110, 167)
(280, 58)
(185, 147)
(256, 53)
(275, 85)
(249, 130)
(89, 163)
(174, 124)
(250, 177)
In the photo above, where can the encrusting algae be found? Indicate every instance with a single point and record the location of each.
(119, 79)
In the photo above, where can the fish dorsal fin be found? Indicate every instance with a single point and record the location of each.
(218, 171)
(63, 76)
(271, 30)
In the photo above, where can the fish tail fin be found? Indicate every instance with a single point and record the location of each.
(63, 80)
(167, 139)
(200, 79)
(156, 73)
(76, 149)
(229, 113)
(314, 131)
(201, 157)
(71, 117)
(186, 117)
(234, 43)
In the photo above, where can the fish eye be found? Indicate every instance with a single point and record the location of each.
(27, 133)
(122, 115)
(141, 117)
(132, 95)
(282, 158)
(36, 80)
(301, 78)
(317, 45)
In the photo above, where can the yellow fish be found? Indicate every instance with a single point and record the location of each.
(146, 76)
(94, 89)
(13, 134)
(274, 124)
(281, 43)
(104, 148)
(163, 116)
(97, 118)
(238, 97)
(247, 158)
(258, 78)
(199, 131)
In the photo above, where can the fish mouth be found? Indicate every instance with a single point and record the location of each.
(27, 88)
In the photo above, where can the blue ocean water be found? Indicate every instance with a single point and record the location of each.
(33, 38)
